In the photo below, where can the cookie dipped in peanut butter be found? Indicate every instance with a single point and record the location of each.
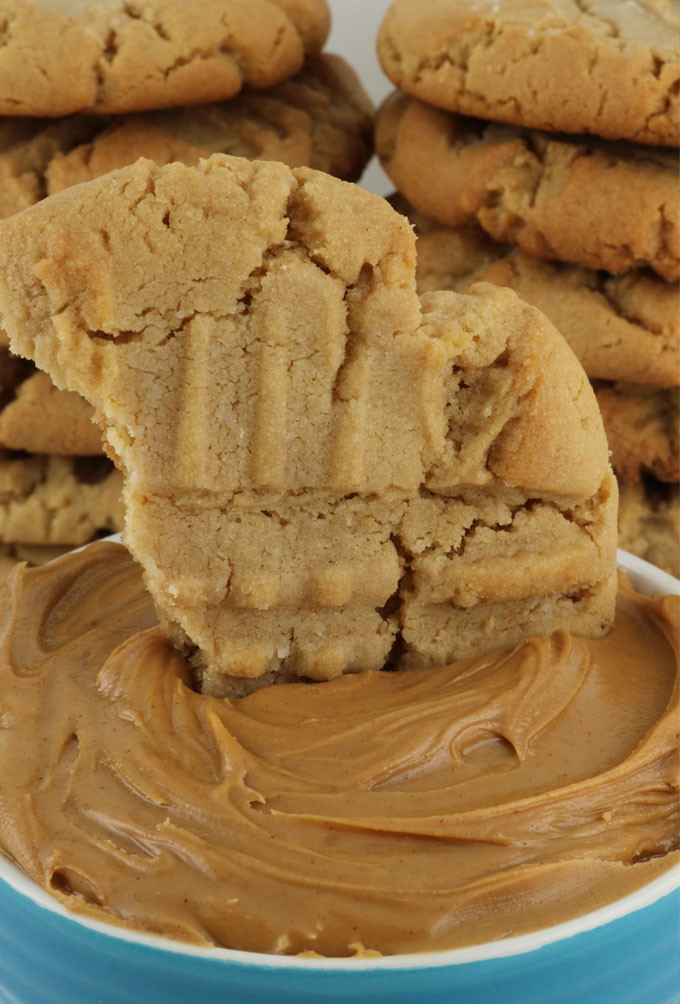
(401, 812)
(323, 472)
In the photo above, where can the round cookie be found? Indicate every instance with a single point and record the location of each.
(624, 327)
(606, 206)
(112, 56)
(323, 473)
(320, 118)
(607, 67)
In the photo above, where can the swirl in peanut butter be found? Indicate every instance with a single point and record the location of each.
(396, 811)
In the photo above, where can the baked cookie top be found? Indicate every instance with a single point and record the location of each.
(621, 327)
(611, 206)
(64, 56)
(314, 459)
(606, 67)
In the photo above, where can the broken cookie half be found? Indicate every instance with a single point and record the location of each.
(323, 473)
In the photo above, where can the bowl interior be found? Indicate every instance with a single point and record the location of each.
(648, 580)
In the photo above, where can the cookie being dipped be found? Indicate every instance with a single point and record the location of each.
(625, 331)
(323, 473)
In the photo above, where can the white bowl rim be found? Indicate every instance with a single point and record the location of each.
(647, 579)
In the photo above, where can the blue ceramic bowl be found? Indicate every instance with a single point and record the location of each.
(624, 953)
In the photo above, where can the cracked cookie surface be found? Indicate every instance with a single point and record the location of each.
(624, 327)
(323, 473)
(611, 206)
(32, 554)
(580, 66)
(112, 56)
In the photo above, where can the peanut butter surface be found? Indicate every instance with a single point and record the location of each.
(393, 812)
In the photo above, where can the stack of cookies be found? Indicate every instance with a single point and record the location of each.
(129, 80)
(565, 188)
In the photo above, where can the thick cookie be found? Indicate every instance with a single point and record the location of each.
(606, 67)
(57, 500)
(322, 473)
(624, 327)
(66, 56)
(649, 523)
(643, 429)
(603, 205)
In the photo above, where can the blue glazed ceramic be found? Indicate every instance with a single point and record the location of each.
(625, 953)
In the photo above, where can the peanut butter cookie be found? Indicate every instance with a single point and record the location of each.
(57, 500)
(323, 473)
(605, 67)
(113, 56)
(624, 327)
(643, 429)
(321, 118)
(602, 205)
(32, 554)
(649, 523)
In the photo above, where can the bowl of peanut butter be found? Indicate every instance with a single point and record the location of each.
(503, 828)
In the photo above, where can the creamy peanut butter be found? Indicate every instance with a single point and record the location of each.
(397, 811)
